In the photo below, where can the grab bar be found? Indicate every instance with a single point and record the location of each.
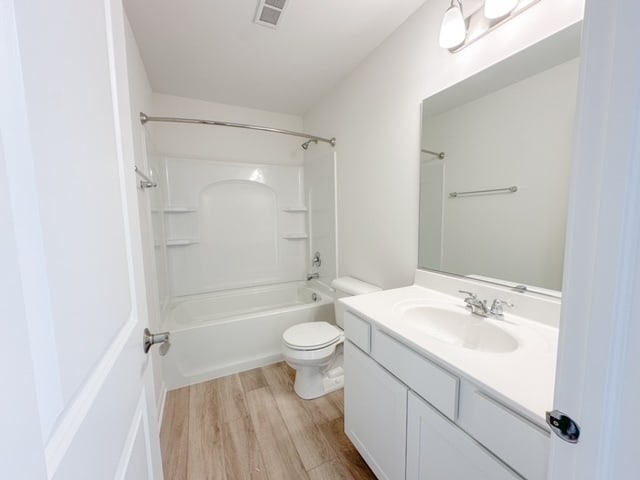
(146, 182)
(512, 189)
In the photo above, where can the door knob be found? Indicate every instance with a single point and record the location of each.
(149, 339)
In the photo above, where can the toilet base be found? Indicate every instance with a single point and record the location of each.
(314, 382)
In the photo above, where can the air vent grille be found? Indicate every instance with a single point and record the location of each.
(270, 12)
(270, 15)
(279, 4)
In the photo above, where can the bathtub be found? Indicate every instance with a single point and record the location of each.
(221, 333)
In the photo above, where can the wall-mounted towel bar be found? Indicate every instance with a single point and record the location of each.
(512, 189)
(440, 155)
(146, 182)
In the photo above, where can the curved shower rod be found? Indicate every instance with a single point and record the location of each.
(144, 118)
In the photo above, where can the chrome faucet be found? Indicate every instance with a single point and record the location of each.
(475, 305)
(312, 275)
(480, 308)
(496, 310)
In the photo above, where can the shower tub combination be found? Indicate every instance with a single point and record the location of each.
(221, 333)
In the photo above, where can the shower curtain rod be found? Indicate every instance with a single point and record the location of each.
(144, 118)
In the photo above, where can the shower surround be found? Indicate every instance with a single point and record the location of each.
(233, 245)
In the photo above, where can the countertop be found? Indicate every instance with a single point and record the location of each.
(522, 379)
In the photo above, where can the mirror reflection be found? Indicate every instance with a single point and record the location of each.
(494, 207)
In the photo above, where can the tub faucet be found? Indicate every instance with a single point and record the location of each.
(312, 275)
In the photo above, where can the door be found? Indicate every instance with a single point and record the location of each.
(375, 413)
(598, 380)
(438, 449)
(69, 216)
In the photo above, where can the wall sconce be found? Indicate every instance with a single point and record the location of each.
(458, 31)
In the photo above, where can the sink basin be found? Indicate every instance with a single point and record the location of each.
(454, 325)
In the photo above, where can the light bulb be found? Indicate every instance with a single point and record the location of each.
(453, 30)
(498, 8)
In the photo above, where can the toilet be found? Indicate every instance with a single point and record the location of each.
(314, 349)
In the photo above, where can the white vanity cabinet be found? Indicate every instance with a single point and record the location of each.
(377, 406)
(415, 420)
(438, 449)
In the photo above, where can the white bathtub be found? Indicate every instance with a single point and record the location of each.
(220, 333)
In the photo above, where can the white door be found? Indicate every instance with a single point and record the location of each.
(81, 404)
(375, 413)
(598, 375)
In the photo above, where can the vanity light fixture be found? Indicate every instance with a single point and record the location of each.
(494, 9)
(458, 31)
(453, 30)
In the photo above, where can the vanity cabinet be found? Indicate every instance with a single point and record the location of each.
(438, 449)
(377, 406)
(415, 420)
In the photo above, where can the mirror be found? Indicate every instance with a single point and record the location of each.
(494, 207)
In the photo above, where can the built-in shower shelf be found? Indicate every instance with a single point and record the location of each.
(181, 242)
(295, 236)
(179, 209)
(300, 209)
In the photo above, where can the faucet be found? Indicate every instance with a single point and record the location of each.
(496, 310)
(475, 305)
(479, 307)
(312, 275)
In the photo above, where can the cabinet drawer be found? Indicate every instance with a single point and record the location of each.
(431, 382)
(521, 444)
(358, 331)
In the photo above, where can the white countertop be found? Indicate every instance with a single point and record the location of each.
(522, 379)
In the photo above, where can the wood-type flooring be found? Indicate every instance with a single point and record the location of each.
(252, 425)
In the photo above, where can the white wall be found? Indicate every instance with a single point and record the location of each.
(140, 98)
(520, 135)
(375, 116)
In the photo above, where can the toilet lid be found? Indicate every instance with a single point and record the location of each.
(311, 335)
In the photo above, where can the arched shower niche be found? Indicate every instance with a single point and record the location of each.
(233, 225)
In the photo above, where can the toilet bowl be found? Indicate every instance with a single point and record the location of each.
(314, 349)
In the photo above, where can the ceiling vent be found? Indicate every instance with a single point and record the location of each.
(270, 12)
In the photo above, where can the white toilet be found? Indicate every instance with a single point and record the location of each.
(314, 349)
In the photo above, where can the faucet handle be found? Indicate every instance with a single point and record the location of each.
(496, 306)
(469, 294)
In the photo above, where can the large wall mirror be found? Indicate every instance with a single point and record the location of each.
(494, 206)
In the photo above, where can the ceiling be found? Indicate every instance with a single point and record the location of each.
(212, 49)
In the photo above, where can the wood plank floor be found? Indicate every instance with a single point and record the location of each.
(252, 425)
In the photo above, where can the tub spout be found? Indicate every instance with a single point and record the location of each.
(312, 275)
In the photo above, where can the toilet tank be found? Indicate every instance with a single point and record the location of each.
(347, 287)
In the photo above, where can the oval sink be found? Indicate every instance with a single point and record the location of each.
(456, 326)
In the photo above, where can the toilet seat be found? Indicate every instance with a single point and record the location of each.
(311, 336)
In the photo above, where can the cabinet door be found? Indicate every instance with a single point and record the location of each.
(375, 405)
(438, 450)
